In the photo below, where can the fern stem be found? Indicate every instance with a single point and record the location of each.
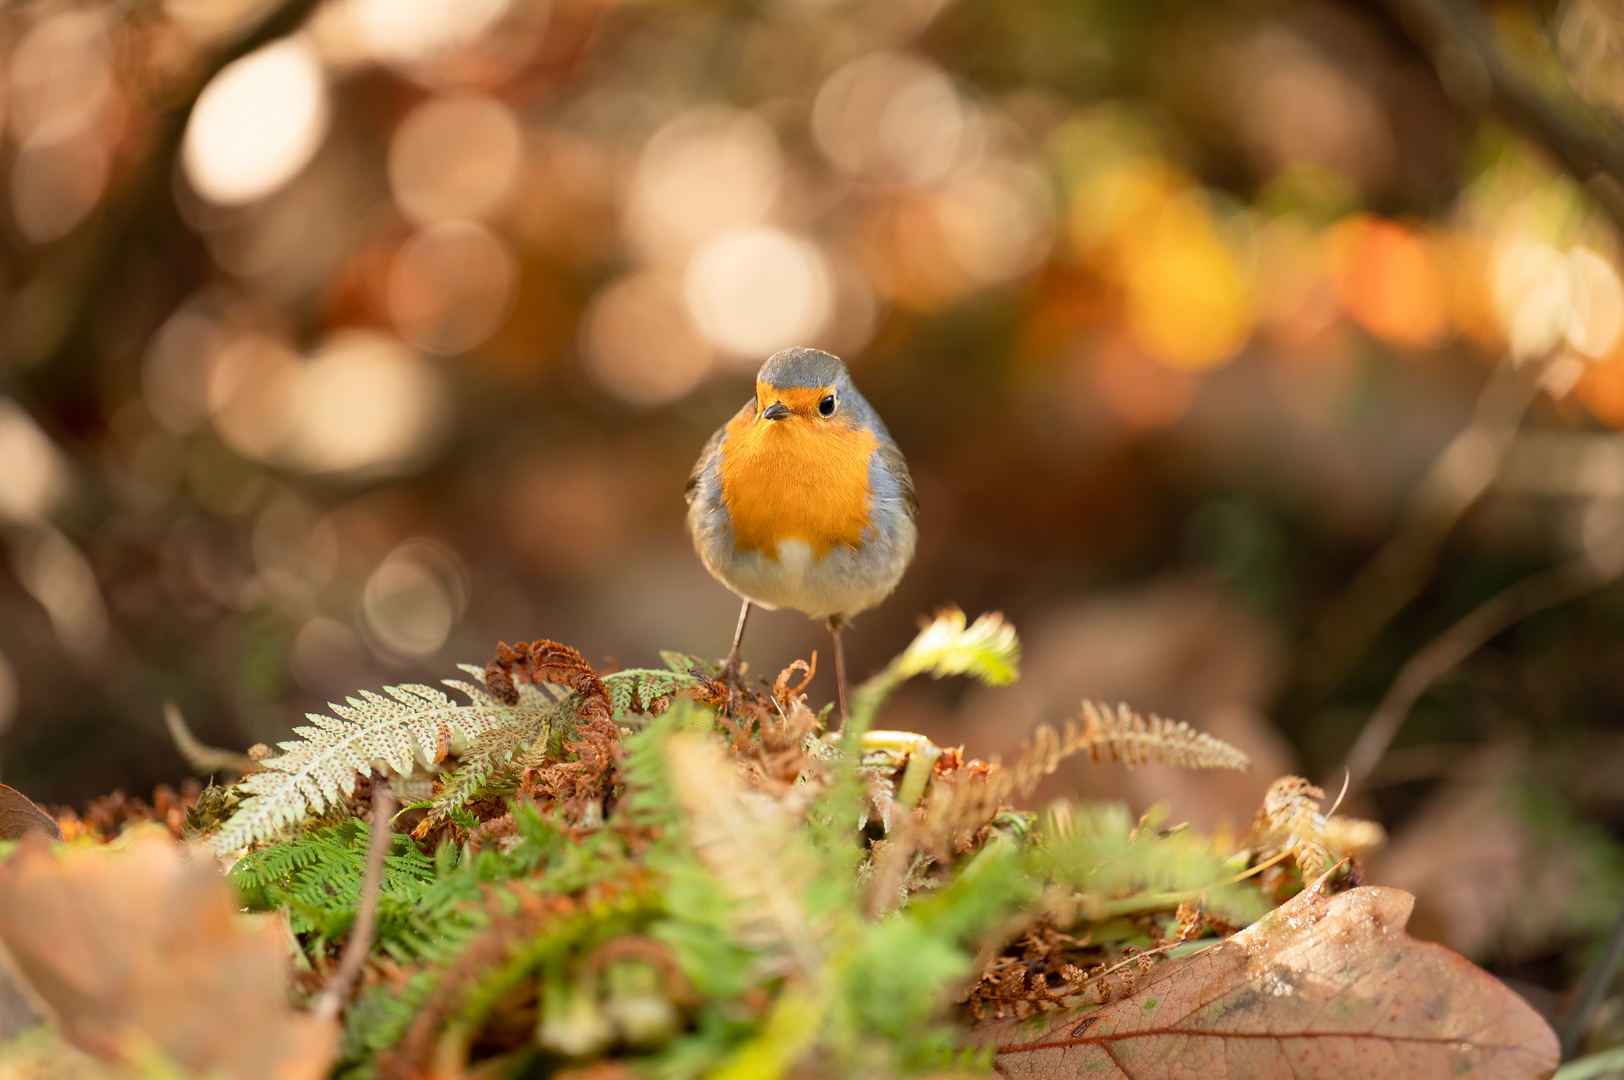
(366, 910)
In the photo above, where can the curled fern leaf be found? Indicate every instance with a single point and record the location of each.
(414, 725)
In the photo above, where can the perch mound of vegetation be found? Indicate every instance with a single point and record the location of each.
(644, 873)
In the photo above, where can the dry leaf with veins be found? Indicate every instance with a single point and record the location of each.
(1323, 987)
(137, 954)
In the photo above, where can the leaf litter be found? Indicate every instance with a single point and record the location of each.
(1325, 985)
(650, 870)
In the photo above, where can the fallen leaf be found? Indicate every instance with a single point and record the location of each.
(1324, 986)
(19, 817)
(140, 956)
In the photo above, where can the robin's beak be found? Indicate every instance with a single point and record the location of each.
(776, 411)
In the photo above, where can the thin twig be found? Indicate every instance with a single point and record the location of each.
(1454, 482)
(366, 909)
(1596, 984)
(1535, 593)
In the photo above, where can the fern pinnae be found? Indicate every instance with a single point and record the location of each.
(639, 691)
(414, 725)
(1130, 738)
(504, 749)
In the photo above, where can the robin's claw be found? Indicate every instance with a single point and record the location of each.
(732, 674)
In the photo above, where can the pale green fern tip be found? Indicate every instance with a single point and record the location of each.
(987, 648)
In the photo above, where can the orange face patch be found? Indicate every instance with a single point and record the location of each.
(804, 477)
(801, 400)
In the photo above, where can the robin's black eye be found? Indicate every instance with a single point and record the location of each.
(827, 406)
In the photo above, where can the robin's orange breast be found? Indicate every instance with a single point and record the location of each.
(795, 479)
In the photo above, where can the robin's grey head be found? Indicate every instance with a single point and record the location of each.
(805, 383)
(800, 368)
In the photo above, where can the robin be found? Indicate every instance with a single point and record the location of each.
(803, 500)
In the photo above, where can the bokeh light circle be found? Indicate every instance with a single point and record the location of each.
(60, 76)
(753, 291)
(639, 343)
(451, 287)
(368, 406)
(257, 124)
(891, 117)
(454, 157)
(33, 476)
(411, 32)
(413, 598)
(1596, 315)
(705, 171)
(54, 185)
(253, 393)
(996, 220)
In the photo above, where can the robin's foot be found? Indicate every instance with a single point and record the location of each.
(732, 674)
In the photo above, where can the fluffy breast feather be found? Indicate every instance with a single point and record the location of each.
(796, 479)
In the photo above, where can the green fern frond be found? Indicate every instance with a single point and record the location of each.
(414, 725)
(637, 691)
(492, 753)
(683, 663)
(987, 649)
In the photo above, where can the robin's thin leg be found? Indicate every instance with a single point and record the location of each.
(730, 666)
(835, 625)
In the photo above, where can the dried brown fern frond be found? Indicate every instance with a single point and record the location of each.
(1290, 822)
(1290, 825)
(1134, 740)
(1353, 836)
(961, 805)
(547, 662)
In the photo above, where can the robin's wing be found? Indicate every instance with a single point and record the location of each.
(897, 466)
(709, 451)
(698, 470)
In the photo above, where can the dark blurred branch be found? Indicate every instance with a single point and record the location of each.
(1533, 594)
(1584, 142)
(83, 277)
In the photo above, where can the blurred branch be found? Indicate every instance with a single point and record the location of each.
(204, 760)
(1533, 594)
(366, 910)
(81, 275)
(1402, 567)
(1584, 142)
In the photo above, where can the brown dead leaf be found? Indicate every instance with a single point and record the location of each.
(19, 817)
(1324, 986)
(136, 954)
